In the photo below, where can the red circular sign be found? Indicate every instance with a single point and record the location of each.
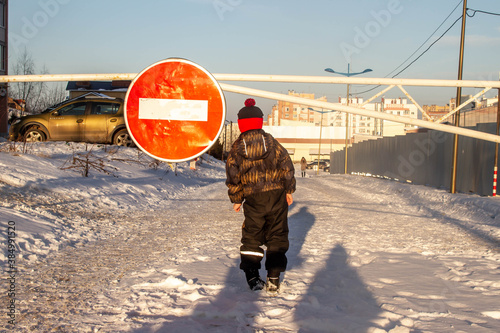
(175, 110)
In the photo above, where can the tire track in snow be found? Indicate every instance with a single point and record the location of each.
(66, 290)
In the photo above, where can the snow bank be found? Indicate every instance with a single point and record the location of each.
(53, 204)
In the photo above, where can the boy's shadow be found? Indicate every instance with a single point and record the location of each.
(299, 224)
(337, 300)
(234, 308)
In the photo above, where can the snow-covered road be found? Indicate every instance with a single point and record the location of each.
(367, 255)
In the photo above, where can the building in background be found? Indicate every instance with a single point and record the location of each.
(481, 110)
(436, 111)
(485, 111)
(304, 141)
(294, 112)
(487, 102)
(398, 107)
(299, 129)
(4, 65)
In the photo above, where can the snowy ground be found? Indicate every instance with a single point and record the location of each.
(138, 248)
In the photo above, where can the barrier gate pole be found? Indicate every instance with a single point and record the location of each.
(495, 168)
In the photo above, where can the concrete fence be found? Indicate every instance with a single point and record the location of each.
(424, 159)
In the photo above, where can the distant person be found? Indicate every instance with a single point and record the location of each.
(260, 176)
(303, 166)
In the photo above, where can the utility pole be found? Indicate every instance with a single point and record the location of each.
(453, 186)
(346, 127)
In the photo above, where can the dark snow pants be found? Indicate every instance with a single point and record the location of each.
(266, 223)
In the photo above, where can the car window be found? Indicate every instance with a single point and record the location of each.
(105, 108)
(75, 109)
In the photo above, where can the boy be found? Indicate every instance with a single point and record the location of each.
(260, 176)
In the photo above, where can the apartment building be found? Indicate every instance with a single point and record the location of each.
(298, 128)
(436, 111)
(481, 110)
(399, 107)
(295, 112)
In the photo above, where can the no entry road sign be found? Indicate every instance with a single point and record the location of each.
(174, 110)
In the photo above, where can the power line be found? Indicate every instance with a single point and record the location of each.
(480, 11)
(424, 52)
(432, 34)
(411, 63)
(460, 2)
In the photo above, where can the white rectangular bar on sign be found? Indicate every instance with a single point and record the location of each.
(173, 109)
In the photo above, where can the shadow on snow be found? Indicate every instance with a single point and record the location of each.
(336, 300)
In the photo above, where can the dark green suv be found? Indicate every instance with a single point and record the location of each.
(93, 118)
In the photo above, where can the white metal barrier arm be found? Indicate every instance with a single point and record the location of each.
(298, 100)
(362, 112)
(67, 77)
(357, 80)
(263, 78)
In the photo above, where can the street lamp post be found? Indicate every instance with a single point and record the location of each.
(320, 130)
(348, 74)
(319, 147)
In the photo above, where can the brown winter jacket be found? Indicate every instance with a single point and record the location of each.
(258, 163)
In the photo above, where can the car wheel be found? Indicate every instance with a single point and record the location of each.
(122, 138)
(34, 135)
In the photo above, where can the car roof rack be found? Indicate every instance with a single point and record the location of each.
(95, 95)
(84, 96)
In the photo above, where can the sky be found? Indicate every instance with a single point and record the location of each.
(263, 37)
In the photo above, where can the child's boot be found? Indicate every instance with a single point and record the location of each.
(253, 279)
(273, 284)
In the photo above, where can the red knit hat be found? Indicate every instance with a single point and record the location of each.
(250, 117)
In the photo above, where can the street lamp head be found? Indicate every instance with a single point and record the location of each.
(329, 70)
(322, 111)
